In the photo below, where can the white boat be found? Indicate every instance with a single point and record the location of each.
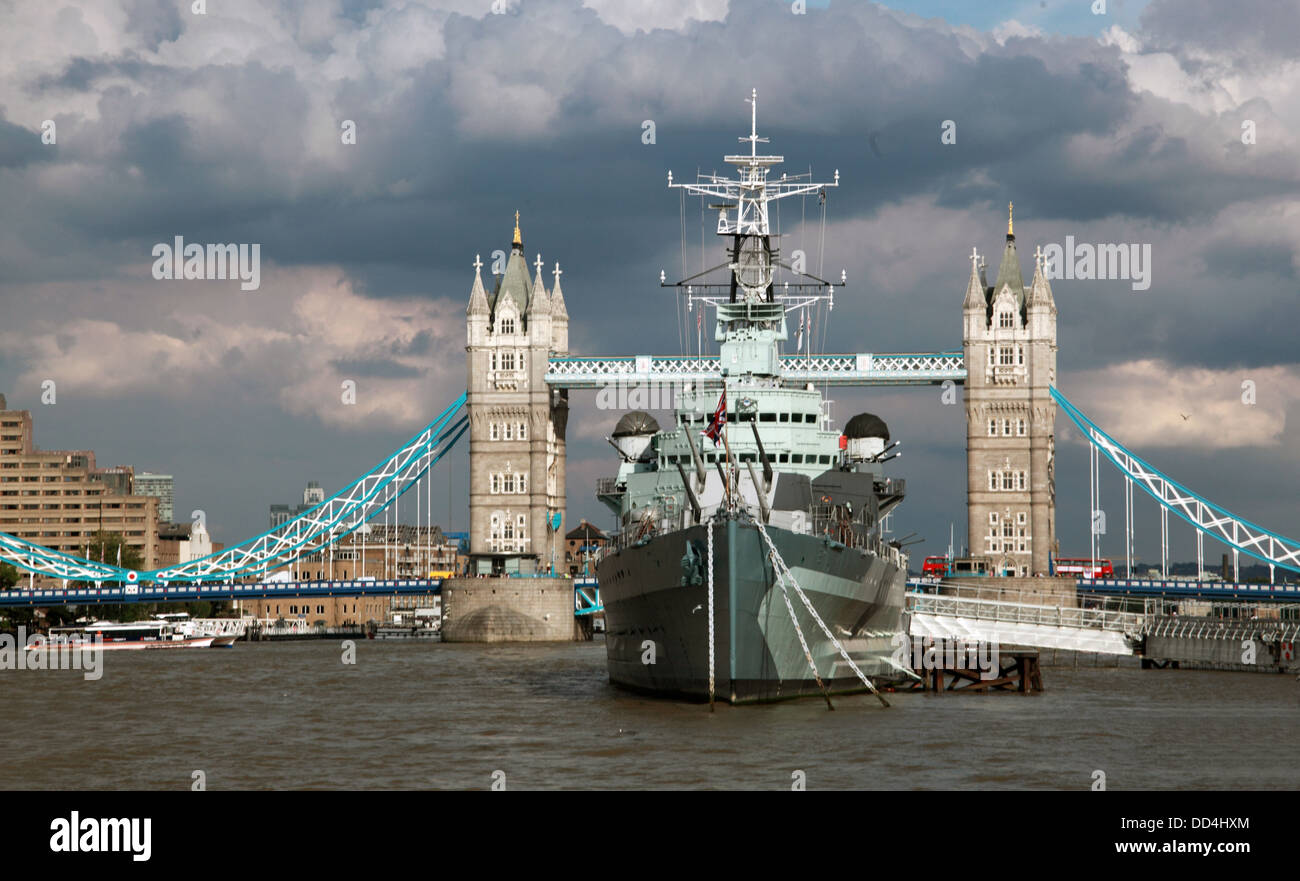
(135, 635)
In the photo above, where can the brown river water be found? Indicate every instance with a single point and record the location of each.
(411, 715)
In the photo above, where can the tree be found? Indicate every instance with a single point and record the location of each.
(9, 576)
(104, 546)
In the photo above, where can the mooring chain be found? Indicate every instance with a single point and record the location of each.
(789, 607)
(776, 555)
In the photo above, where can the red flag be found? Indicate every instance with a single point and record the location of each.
(719, 419)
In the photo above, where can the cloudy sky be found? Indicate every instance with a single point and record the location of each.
(1124, 127)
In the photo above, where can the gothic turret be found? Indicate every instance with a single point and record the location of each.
(539, 303)
(559, 315)
(1040, 294)
(477, 312)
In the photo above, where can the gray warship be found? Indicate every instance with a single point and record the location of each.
(751, 563)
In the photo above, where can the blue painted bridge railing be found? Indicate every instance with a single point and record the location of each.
(586, 597)
(188, 593)
(1223, 590)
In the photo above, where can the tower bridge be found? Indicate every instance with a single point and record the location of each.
(517, 428)
(520, 374)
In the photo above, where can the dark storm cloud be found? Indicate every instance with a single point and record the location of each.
(373, 368)
(19, 146)
(81, 74)
(1256, 33)
(156, 21)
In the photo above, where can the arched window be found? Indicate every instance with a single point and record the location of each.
(508, 324)
(1006, 319)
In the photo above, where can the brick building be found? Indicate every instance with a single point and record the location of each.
(59, 499)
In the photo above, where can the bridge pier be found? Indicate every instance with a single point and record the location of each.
(511, 610)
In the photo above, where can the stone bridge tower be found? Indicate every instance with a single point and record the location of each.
(517, 424)
(1009, 343)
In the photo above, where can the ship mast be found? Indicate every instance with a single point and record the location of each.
(742, 205)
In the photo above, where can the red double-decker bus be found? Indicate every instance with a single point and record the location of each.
(935, 567)
(1084, 567)
(965, 567)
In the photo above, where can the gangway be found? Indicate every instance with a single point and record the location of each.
(959, 615)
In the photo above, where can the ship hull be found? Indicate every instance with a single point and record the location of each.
(655, 596)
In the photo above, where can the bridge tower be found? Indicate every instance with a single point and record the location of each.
(1009, 342)
(517, 424)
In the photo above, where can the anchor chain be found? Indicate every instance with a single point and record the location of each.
(783, 571)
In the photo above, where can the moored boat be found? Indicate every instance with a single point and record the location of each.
(128, 636)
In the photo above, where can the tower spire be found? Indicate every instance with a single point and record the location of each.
(1011, 224)
(478, 303)
(519, 239)
(558, 308)
(1040, 290)
(975, 286)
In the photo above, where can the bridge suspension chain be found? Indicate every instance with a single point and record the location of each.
(1209, 519)
(325, 524)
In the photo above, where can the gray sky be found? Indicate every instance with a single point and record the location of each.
(225, 127)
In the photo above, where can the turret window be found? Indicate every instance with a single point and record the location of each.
(508, 483)
(508, 324)
(1007, 481)
(1006, 319)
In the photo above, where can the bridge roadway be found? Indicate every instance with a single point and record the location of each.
(586, 592)
(1207, 590)
(189, 593)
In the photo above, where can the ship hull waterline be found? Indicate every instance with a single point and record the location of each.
(657, 627)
